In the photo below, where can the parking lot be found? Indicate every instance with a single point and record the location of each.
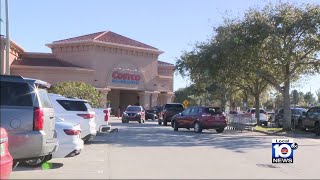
(144, 151)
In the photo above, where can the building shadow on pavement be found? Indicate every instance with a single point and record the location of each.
(152, 135)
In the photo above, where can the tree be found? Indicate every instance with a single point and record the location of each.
(318, 96)
(309, 99)
(79, 90)
(289, 47)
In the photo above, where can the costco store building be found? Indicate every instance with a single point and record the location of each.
(126, 71)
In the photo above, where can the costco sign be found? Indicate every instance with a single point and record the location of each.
(125, 78)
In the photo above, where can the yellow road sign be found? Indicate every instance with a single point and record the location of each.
(185, 103)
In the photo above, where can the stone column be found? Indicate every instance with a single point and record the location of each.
(104, 92)
(169, 96)
(154, 98)
(145, 99)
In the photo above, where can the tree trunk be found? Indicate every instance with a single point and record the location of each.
(257, 106)
(286, 105)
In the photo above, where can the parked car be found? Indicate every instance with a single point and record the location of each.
(133, 113)
(295, 114)
(69, 136)
(199, 118)
(263, 115)
(168, 111)
(102, 119)
(310, 120)
(271, 116)
(151, 114)
(76, 111)
(6, 160)
(27, 115)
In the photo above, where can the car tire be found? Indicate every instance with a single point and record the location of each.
(165, 123)
(220, 130)
(197, 128)
(37, 162)
(317, 129)
(159, 122)
(175, 126)
(153, 118)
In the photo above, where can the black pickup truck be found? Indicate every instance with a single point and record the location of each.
(168, 111)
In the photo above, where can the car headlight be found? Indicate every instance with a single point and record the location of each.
(138, 114)
(125, 114)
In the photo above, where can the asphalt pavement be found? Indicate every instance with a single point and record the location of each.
(150, 151)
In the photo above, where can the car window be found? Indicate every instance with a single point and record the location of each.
(186, 112)
(262, 111)
(44, 98)
(133, 108)
(212, 110)
(15, 94)
(193, 111)
(298, 111)
(70, 105)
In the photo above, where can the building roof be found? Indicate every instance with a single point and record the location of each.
(108, 37)
(161, 63)
(42, 59)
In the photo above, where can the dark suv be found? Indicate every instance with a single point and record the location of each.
(134, 113)
(168, 111)
(310, 120)
(295, 114)
(28, 116)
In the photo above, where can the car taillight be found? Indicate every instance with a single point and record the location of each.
(86, 116)
(72, 132)
(38, 119)
(106, 116)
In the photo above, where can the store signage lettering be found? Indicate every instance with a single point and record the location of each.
(125, 78)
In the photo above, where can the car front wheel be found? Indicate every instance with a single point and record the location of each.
(175, 126)
(220, 130)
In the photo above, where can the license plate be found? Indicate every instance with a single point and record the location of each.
(2, 152)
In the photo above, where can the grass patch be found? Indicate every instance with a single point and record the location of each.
(267, 129)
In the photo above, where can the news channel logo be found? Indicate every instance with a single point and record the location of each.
(282, 150)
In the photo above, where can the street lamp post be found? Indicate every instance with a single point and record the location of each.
(7, 40)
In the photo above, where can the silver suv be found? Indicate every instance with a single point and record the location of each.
(28, 116)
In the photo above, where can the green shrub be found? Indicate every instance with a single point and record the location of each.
(79, 90)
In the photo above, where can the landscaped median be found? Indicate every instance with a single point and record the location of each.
(281, 131)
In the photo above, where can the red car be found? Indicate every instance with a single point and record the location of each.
(199, 118)
(5, 157)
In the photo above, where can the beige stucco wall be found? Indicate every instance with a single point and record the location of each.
(53, 75)
(104, 60)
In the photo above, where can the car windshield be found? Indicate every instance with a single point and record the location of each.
(133, 108)
(173, 106)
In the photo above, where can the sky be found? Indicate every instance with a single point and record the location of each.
(173, 26)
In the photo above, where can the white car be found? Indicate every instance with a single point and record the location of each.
(263, 115)
(76, 111)
(102, 119)
(69, 136)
